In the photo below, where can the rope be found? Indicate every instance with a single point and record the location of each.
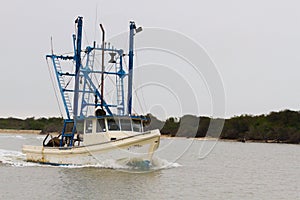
(53, 85)
(86, 38)
(142, 93)
(68, 82)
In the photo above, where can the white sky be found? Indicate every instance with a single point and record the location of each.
(254, 44)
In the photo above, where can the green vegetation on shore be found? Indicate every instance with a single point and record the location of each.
(281, 127)
(53, 124)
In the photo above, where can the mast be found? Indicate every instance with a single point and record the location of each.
(130, 67)
(77, 58)
(132, 32)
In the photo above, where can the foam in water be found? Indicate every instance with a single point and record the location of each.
(18, 159)
(129, 165)
(14, 158)
(159, 163)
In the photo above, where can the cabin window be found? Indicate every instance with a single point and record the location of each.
(136, 125)
(80, 126)
(88, 126)
(100, 126)
(126, 125)
(113, 125)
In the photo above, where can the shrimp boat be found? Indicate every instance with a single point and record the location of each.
(96, 127)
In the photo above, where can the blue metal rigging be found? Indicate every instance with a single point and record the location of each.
(132, 27)
(85, 91)
(77, 58)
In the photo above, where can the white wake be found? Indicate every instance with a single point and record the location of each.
(18, 159)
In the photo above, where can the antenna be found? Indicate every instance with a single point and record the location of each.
(96, 19)
(51, 45)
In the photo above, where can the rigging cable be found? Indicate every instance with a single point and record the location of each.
(53, 85)
(135, 91)
(69, 81)
(86, 38)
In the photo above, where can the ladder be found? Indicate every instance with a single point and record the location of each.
(62, 86)
(120, 94)
(66, 136)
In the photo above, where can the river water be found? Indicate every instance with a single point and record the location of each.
(182, 169)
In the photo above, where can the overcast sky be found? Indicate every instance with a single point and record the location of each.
(254, 44)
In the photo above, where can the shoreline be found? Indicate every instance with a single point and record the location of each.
(229, 140)
(16, 131)
(38, 132)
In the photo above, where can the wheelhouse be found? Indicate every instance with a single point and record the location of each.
(115, 123)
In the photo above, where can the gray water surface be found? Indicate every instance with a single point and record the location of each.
(231, 170)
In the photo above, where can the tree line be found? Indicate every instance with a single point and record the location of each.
(281, 127)
(53, 124)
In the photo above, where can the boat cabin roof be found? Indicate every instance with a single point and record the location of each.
(142, 118)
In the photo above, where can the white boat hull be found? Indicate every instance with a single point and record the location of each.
(141, 146)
